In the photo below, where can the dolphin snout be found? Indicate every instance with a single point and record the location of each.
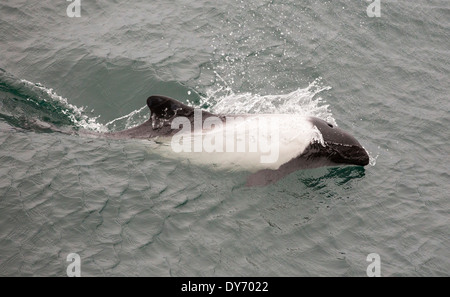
(358, 156)
(342, 147)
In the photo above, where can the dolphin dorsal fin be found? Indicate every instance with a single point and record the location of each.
(163, 107)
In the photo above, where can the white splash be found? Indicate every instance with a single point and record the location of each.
(301, 102)
(372, 160)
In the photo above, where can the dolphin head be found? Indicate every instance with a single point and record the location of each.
(340, 147)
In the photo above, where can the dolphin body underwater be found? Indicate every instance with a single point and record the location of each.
(300, 142)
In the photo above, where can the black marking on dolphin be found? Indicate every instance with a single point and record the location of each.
(340, 149)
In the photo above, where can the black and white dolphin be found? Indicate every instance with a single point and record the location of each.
(303, 142)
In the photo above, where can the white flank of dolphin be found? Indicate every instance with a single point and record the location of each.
(242, 142)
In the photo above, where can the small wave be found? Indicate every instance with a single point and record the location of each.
(81, 119)
(28, 105)
(76, 114)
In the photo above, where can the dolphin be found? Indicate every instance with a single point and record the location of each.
(302, 142)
